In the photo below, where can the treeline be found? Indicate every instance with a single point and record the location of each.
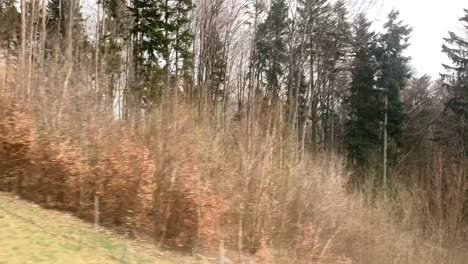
(276, 82)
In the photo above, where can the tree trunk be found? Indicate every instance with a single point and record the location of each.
(385, 143)
(23, 32)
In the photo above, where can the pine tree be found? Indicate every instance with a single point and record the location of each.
(150, 48)
(394, 70)
(161, 29)
(364, 101)
(58, 22)
(112, 38)
(149, 29)
(57, 13)
(393, 74)
(271, 45)
(456, 78)
(313, 14)
(183, 37)
(11, 26)
(58, 17)
(456, 83)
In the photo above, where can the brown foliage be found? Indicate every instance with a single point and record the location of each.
(135, 194)
(186, 183)
(16, 135)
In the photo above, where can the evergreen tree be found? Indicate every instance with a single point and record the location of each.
(455, 81)
(161, 30)
(183, 37)
(313, 15)
(364, 101)
(11, 23)
(393, 74)
(150, 48)
(114, 29)
(456, 78)
(58, 17)
(271, 45)
(58, 22)
(215, 66)
(149, 28)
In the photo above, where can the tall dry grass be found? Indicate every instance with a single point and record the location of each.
(172, 175)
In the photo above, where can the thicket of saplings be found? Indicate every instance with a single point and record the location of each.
(174, 177)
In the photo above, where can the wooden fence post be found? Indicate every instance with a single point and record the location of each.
(96, 211)
(221, 252)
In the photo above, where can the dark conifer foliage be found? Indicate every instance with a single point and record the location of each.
(456, 77)
(392, 76)
(10, 31)
(365, 100)
(271, 46)
(59, 17)
(162, 42)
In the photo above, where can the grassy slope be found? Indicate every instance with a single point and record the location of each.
(30, 234)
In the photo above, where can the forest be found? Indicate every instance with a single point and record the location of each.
(289, 131)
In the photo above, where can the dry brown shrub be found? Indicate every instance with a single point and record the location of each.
(125, 182)
(188, 183)
(16, 137)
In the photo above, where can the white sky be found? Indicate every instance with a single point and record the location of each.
(431, 20)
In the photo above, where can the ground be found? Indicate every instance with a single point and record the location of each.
(31, 234)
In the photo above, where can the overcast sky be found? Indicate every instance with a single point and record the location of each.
(430, 20)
